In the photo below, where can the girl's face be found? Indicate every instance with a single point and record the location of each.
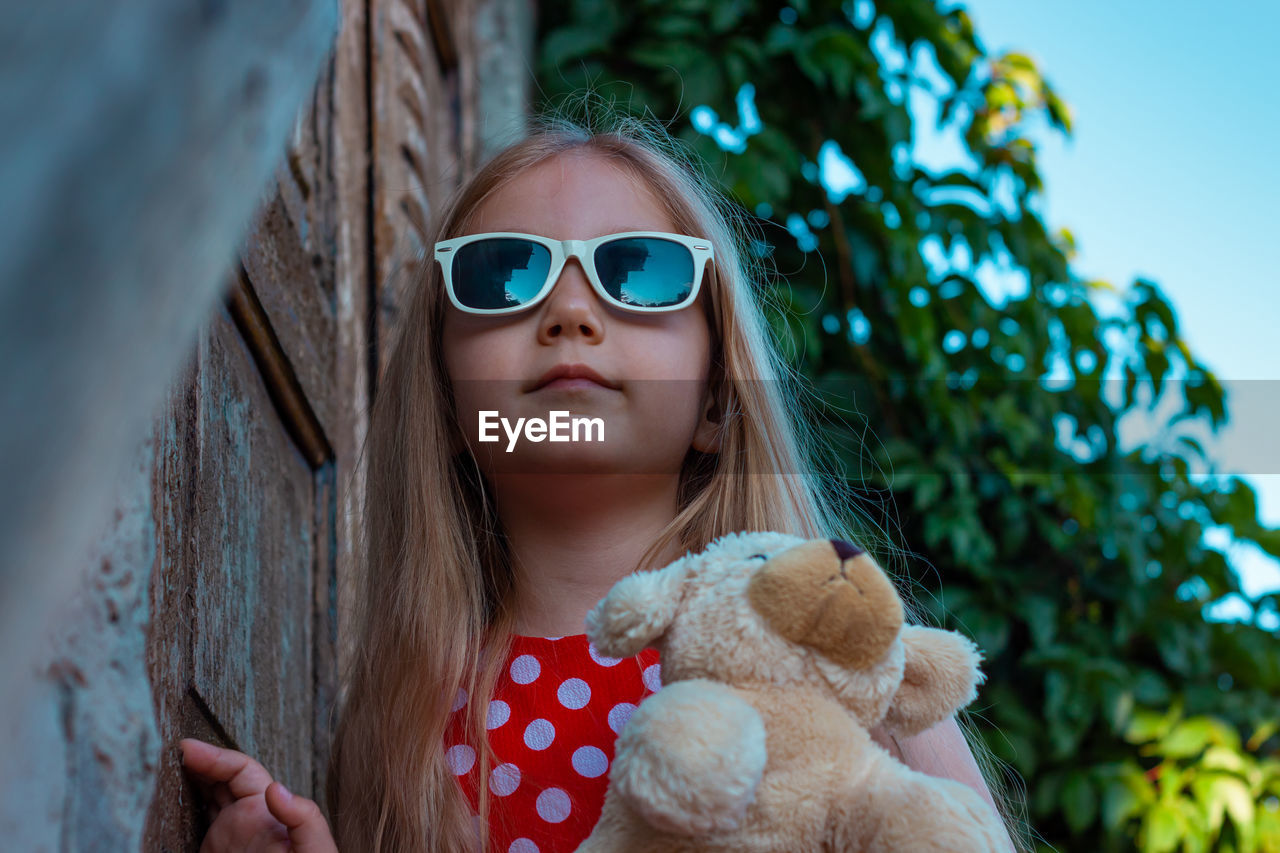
(657, 363)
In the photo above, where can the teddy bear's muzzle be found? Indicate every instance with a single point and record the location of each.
(829, 596)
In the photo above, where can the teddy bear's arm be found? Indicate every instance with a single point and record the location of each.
(940, 676)
(691, 758)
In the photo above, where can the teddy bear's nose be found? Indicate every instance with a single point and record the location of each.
(845, 550)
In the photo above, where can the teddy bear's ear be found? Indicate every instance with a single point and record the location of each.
(637, 611)
(940, 676)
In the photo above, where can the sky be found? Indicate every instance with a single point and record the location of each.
(1171, 174)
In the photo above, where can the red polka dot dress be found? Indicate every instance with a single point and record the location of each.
(557, 708)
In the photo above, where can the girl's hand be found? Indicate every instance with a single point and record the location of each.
(249, 810)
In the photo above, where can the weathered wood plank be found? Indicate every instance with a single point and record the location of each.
(348, 182)
(173, 816)
(416, 146)
(124, 196)
(288, 395)
(324, 676)
(300, 312)
(252, 586)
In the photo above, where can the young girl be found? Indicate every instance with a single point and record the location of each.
(476, 711)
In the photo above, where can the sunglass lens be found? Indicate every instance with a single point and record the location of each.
(500, 272)
(647, 272)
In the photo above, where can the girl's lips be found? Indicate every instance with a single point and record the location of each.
(565, 372)
(573, 383)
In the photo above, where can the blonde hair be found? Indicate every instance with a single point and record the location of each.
(436, 612)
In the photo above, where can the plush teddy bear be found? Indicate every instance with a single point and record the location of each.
(778, 655)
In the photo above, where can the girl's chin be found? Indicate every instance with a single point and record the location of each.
(570, 460)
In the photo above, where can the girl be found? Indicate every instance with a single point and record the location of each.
(474, 705)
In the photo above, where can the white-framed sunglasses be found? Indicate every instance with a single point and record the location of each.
(502, 272)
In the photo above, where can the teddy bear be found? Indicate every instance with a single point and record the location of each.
(779, 654)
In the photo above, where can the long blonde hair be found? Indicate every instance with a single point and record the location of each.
(436, 612)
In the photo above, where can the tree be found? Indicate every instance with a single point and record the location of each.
(1078, 565)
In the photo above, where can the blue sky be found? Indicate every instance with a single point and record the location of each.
(1171, 174)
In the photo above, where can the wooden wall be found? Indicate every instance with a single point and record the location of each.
(216, 595)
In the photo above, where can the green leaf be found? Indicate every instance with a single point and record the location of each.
(840, 53)
(927, 491)
(1079, 804)
(1120, 802)
(1187, 738)
(676, 27)
(725, 15)
(661, 54)
(1117, 703)
(1161, 829)
(1041, 614)
(571, 43)
(1146, 725)
(1212, 800)
(1222, 758)
(1150, 688)
(781, 39)
(1234, 793)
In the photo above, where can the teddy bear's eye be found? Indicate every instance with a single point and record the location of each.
(758, 556)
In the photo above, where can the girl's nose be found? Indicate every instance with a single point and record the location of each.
(572, 307)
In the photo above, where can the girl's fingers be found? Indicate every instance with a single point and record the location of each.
(308, 830)
(271, 838)
(221, 795)
(214, 797)
(230, 776)
(242, 776)
(216, 794)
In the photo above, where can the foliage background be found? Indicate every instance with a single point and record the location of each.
(1075, 562)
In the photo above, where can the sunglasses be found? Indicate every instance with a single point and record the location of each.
(503, 272)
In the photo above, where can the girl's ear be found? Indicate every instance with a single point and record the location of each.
(706, 438)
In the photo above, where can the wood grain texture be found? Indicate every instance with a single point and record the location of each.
(257, 483)
(347, 178)
(298, 307)
(277, 370)
(175, 821)
(416, 139)
(252, 597)
(137, 138)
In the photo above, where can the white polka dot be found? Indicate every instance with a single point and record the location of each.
(499, 713)
(574, 693)
(619, 714)
(459, 700)
(553, 805)
(504, 779)
(525, 669)
(539, 734)
(599, 658)
(589, 761)
(522, 845)
(459, 758)
(653, 677)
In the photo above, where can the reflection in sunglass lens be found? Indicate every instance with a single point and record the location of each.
(647, 272)
(500, 272)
